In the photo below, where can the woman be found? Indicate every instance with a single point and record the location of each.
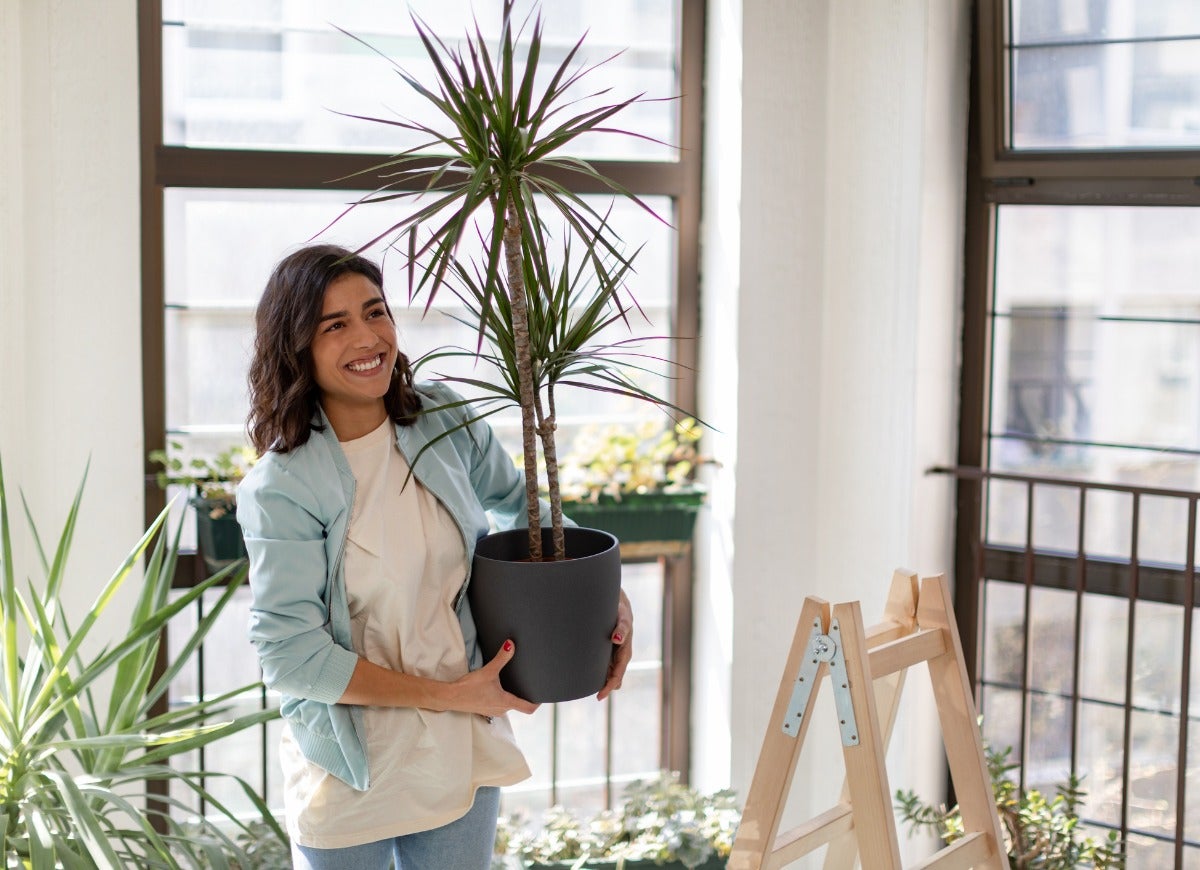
(396, 738)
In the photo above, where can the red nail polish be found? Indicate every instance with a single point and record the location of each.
(618, 638)
(507, 645)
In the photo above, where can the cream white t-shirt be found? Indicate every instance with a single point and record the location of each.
(404, 565)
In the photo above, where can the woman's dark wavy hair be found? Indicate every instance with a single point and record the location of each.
(283, 387)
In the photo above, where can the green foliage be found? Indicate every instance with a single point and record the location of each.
(76, 767)
(660, 820)
(619, 460)
(262, 845)
(1038, 832)
(213, 479)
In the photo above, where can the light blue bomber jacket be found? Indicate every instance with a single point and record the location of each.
(294, 509)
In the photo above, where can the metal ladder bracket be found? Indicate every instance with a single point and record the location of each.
(822, 648)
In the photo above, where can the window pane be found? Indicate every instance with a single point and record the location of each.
(1107, 74)
(222, 244)
(1096, 343)
(270, 74)
(1039, 21)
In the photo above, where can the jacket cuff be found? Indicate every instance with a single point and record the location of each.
(334, 678)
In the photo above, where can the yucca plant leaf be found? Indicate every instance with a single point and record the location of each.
(54, 574)
(204, 735)
(85, 821)
(41, 837)
(8, 597)
(197, 711)
(70, 860)
(98, 607)
(47, 646)
(466, 423)
(234, 577)
(144, 835)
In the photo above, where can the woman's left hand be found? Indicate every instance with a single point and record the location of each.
(622, 638)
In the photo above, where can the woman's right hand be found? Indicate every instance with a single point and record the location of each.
(480, 691)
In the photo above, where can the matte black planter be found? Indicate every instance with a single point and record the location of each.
(560, 615)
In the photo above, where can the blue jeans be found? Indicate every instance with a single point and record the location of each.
(464, 844)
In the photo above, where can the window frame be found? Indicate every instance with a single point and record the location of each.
(164, 166)
(1100, 177)
(999, 175)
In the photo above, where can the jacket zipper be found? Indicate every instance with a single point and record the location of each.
(337, 565)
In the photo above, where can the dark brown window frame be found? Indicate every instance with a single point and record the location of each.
(164, 166)
(998, 175)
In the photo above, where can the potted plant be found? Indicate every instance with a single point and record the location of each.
(1038, 831)
(82, 734)
(639, 484)
(661, 823)
(211, 483)
(541, 311)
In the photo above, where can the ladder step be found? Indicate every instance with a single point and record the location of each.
(812, 835)
(906, 652)
(971, 850)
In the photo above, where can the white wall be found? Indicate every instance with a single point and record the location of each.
(712, 652)
(852, 155)
(70, 364)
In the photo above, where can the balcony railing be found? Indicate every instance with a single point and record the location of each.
(1080, 597)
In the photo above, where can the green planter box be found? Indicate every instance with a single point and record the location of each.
(651, 516)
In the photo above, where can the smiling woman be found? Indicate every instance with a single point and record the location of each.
(322, 310)
(354, 355)
(360, 526)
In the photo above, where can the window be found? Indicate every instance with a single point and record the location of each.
(1080, 432)
(241, 143)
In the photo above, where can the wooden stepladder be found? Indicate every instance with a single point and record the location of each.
(866, 669)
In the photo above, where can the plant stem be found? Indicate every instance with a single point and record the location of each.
(546, 429)
(520, 320)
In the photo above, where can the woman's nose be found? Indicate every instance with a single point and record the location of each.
(363, 336)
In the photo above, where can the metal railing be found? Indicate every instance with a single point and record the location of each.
(1047, 610)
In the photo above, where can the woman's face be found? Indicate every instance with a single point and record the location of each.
(354, 349)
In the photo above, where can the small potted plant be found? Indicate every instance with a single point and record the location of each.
(637, 483)
(660, 824)
(212, 482)
(1038, 831)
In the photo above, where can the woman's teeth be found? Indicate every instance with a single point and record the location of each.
(366, 366)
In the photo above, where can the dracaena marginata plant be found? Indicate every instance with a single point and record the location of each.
(76, 766)
(540, 304)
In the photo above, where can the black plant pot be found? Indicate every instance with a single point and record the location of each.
(219, 538)
(560, 615)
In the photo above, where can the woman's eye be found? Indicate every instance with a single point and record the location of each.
(337, 324)
(378, 312)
